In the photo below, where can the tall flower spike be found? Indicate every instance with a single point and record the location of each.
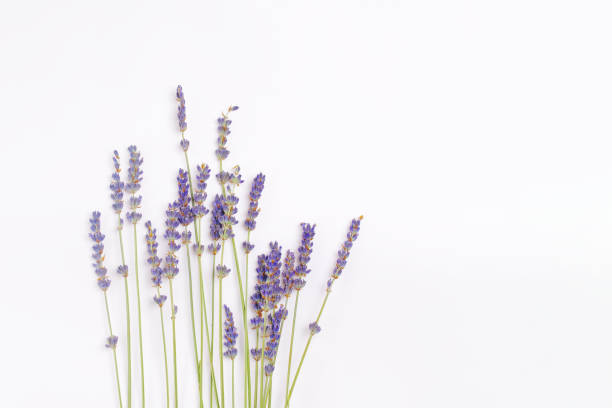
(230, 334)
(185, 213)
(181, 114)
(172, 235)
(199, 195)
(345, 250)
(153, 260)
(117, 185)
(133, 185)
(288, 274)
(216, 228)
(223, 131)
(254, 196)
(304, 251)
(98, 251)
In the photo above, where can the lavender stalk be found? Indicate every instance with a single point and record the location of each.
(156, 271)
(117, 186)
(230, 343)
(103, 283)
(340, 264)
(132, 187)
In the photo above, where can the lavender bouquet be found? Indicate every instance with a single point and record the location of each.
(264, 305)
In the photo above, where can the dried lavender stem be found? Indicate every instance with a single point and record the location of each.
(233, 403)
(127, 311)
(221, 331)
(110, 329)
(297, 296)
(213, 382)
(174, 345)
(193, 330)
(247, 366)
(163, 329)
(139, 316)
(297, 373)
(256, 370)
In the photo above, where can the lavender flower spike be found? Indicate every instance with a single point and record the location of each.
(223, 131)
(345, 250)
(133, 185)
(254, 196)
(153, 260)
(172, 235)
(304, 251)
(230, 334)
(180, 97)
(117, 185)
(98, 251)
(111, 342)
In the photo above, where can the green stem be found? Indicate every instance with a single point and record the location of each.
(212, 325)
(221, 343)
(127, 311)
(297, 373)
(174, 345)
(213, 382)
(297, 296)
(193, 329)
(163, 329)
(110, 329)
(233, 403)
(256, 371)
(139, 316)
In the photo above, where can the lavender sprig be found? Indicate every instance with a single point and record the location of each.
(340, 264)
(154, 262)
(103, 283)
(117, 188)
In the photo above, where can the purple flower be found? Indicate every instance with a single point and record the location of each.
(133, 184)
(269, 369)
(254, 196)
(230, 334)
(223, 131)
(111, 342)
(247, 246)
(272, 333)
(185, 213)
(172, 235)
(98, 250)
(288, 274)
(314, 328)
(304, 251)
(256, 353)
(122, 270)
(117, 185)
(217, 216)
(160, 299)
(229, 203)
(181, 111)
(153, 260)
(345, 250)
(199, 195)
(222, 271)
(214, 248)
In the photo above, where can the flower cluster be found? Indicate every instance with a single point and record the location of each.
(223, 131)
(133, 185)
(288, 274)
(254, 196)
(98, 251)
(304, 251)
(230, 334)
(345, 250)
(117, 185)
(172, 235)
(199, 195)
(183, 202)
(153, 260)
(272, 332)
(180, 97)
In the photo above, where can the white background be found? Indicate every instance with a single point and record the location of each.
(474, 136)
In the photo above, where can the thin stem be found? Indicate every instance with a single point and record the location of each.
(297, 373)
(127, 311)
(163, 329)
(221, 344)
(295, 307)
(139, 317)
(174, 345)
(212, 326)
(256, 371)
(247, 374)
(110, 329)
(193, 330)
(233, 403)
(213, 383)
